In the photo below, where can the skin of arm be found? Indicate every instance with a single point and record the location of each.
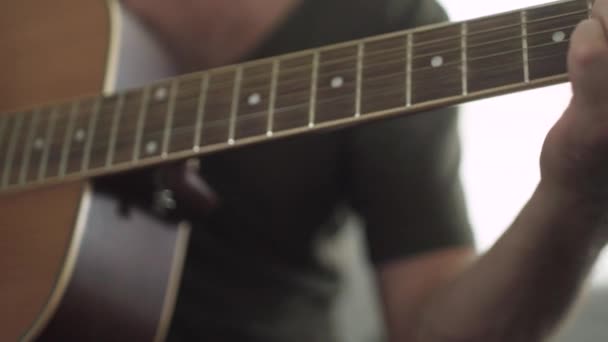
(520, 289)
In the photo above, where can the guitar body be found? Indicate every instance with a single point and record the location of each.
(77, 262)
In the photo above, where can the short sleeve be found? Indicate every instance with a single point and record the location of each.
(404, 177)
(404, 182)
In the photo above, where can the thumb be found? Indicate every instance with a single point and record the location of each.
(588, 66)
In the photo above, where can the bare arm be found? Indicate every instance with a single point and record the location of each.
(521, 288)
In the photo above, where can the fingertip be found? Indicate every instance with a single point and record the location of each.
(588, 48)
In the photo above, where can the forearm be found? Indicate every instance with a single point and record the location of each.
(520, 289)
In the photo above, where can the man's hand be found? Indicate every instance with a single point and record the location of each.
(575, 156)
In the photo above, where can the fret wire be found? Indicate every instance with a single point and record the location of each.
(521, 36)
(382, 52)
(114, 130)
(517, 65)
(48, 139)
(375, 79)
(408, 69)
(335, 98)
(28, 147)
(67, 141)
(463, 47)
(11, 150)
(452, 37)
(556, 16)
(313, 90)
(140, 122)
(484, 31)
(170, 115)
(471, 46)
(91, 131)
(301, 105)
(534, 21)
(502, 53)
(524, 34)
(375, 38)
(381, 76)
(200, 113)
(468, 47)
(360, 53)
(236, 96)
(525, 49)
(276, 65)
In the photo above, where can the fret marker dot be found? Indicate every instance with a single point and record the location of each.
(39, 144)
(151, 147)
(254, 99)
(337, 82)
(559, 36)
(436, 61)
(80, 135)
(161, 94)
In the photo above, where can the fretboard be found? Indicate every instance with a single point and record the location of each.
(378, 77)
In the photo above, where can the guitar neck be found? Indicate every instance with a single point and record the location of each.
(378, 77)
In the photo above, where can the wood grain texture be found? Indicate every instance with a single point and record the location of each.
(51, 50)
(35, 232)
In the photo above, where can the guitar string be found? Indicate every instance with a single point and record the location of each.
(350, 83)
(367, 81)
(383, 52)
(178, 130)
(401, 49)
(188, 131)
(383, 64)
(388, 61)
(110, 117)
(503, 27)
(398, 53)
(387, 53)
(452, 39)
(277, 110)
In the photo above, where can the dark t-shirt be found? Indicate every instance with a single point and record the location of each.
(254, 270)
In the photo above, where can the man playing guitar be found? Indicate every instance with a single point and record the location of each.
(254, 274)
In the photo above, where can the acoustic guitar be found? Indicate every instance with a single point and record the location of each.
(88, 94)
